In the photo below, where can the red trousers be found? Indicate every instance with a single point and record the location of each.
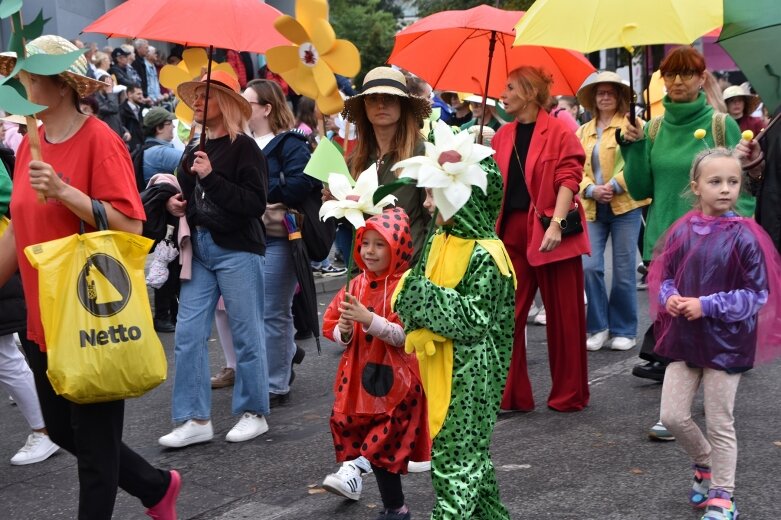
(561, 287)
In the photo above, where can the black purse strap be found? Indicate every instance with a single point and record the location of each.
(100, 216)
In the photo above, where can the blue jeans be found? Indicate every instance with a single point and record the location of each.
(280, 287)
(238, 276)
(344, 239)
(619, 313)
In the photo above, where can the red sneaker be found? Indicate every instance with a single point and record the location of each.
(166, 508)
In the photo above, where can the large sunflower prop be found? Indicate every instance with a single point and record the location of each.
(309, 65)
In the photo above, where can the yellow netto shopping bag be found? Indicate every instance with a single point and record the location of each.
(100, 340)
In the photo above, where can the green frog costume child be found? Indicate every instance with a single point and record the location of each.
(460, 319)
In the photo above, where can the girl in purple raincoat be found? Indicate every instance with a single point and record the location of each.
(718, 279)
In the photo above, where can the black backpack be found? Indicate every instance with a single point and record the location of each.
(137, 156)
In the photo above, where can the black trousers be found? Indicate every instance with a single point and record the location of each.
(647, 348)
(93, 433)
(390, 488)
(167, 296)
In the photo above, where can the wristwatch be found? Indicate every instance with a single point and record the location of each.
(562, 222)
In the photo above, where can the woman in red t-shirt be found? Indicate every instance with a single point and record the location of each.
(83, 159)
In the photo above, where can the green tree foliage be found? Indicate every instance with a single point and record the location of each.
(427, 7)
(370, 25)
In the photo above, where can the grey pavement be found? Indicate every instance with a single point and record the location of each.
(595, 464)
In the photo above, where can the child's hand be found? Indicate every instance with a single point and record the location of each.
(354, 310)
(690, 308)
(345, 328)
(673, 305)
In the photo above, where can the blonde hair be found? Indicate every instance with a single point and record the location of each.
(703, 157)
(233, 119)
(281, 118)
(404, 140)
(533, 83)
(713, 93)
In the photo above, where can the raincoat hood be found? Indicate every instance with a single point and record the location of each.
(394, 227)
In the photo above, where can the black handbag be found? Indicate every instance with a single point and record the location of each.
(212, 216)
(571, 225)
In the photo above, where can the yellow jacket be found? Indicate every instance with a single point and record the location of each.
(612, 167)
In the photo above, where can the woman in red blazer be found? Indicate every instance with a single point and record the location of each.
(541, 161)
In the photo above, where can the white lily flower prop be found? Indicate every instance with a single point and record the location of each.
(353, 202)
(450, 168)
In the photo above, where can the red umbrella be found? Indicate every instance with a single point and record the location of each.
(240, 25)
(471, 51)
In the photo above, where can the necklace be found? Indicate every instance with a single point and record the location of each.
(65, 135)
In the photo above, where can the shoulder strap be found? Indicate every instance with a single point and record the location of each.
(719, 129)
(653, 128)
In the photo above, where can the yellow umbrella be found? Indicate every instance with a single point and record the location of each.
(617, 23)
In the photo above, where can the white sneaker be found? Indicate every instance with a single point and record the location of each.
(186, 434)
(38, 447)
(595, 341)
(622, 343)
(346, 482)
(419, 467)
(541, 318)
(534, 310)
(249, 426)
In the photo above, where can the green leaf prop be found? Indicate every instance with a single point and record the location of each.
(387, 189)
(325, 160)
(9, 7)
(14, 103)
(30, 32)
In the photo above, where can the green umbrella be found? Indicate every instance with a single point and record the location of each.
(752, 37)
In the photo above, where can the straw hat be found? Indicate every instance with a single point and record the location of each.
(587, 92)
(385, 80)
(75, 76)
(752, 101)
(220, 80)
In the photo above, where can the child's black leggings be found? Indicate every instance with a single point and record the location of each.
(390, 488)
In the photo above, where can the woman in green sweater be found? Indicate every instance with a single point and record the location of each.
(657, 163)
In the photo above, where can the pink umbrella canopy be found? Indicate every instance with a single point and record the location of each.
(450, 50)
(241, 25)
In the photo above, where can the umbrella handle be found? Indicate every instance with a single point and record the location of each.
(491, 47)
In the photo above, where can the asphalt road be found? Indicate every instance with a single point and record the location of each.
(595, 464)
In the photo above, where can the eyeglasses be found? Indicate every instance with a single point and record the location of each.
(606, 93)
(260, 103)
(385, 99)
(685, 75)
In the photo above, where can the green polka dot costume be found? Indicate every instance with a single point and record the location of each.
(478, 315)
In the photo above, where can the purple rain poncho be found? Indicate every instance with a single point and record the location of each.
(730, 263)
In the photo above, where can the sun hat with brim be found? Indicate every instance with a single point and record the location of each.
(385, 80)
(75, 75)
(587, 92)
(220, 80)
(752, 101)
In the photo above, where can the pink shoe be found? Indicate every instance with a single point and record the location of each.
(166, 508)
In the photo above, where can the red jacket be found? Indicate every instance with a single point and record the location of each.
(555, 159)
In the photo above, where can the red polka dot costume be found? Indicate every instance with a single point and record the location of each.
(379, 408)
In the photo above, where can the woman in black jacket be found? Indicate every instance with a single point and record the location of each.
(223, 195)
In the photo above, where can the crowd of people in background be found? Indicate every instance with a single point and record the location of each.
(586, 156)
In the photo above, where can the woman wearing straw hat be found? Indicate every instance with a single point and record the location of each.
(223, 197)
(77, 152)
(610, 211)
(740, 105)
(488, 116)
(388, 120)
